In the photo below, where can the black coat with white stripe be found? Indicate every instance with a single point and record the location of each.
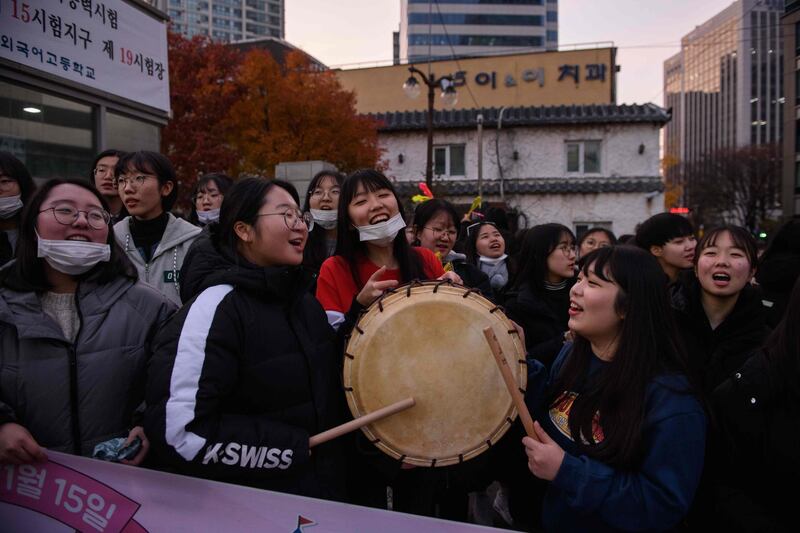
(241, 377)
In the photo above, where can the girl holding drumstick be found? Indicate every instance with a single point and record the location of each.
(372, 255)
(621, 435)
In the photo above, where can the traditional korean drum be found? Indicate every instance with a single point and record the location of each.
(426, 341)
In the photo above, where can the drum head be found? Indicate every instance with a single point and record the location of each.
(425, 341)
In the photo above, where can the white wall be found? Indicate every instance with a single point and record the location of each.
(542, 151)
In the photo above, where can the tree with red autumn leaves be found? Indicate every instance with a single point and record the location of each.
(202, 84)
(293, 112)
(243, 113)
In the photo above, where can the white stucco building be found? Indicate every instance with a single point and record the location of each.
(582, 166)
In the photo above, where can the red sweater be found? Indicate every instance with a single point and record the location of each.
(336, 287)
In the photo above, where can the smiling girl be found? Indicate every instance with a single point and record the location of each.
(621, 437)
(372, 253)
(486, 248)
(720, 314)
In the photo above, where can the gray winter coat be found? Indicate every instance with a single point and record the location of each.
(73, 396)
(163, 270)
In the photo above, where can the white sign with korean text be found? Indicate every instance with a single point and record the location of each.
(106, 45)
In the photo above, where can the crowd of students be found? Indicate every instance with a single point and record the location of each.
(664, 373)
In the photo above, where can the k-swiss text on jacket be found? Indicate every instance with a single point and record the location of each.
(235, 454)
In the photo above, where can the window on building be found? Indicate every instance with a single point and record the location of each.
(583, 157)
(53, 136)
(552, 16)
(449, 160)
(131, 134)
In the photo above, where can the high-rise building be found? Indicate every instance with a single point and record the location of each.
(790, 189)
(725, 86)
(441, 29)
(225, 20)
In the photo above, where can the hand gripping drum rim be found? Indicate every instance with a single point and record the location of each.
(463, 406)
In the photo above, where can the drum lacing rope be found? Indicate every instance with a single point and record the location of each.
(433, 462)
(415, 283)
(508, 419)
(402, 458)
(358, 329)
(460, 458)
(442, 282)
(496, 308)
(376, 441)
(349, 355)
(348, 389)
(470, 291)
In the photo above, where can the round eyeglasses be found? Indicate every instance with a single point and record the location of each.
(67, 215)
(292, 217)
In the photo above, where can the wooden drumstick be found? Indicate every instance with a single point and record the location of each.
(511, 383)
(361, 421)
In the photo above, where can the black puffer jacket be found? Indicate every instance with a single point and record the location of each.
(776, 276)
(756, 459)
(71, 396)
(242, 376)
(715, 354)
(543, 320)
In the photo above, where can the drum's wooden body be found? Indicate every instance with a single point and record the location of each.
(425, 340)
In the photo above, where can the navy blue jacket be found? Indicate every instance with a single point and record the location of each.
(588, 495)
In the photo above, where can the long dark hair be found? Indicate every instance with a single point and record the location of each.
(783, 350)
(151, 163)
(17, 171)
(242, 203)
(647, 347)
(316, 250)
(539, 242)
(348, 244)
(28, 274)
(223, 183)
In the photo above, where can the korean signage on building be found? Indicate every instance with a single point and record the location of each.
(533, 79)
(107, 45)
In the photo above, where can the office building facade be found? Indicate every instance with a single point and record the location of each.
(790, 187)
(462, 28)
(226, 20)
(725, 86)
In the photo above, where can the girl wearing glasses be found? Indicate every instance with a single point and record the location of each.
(322, 201)
(248, 370)
(372, 253)
(486, 248)
(207, 197)
(103, 179)
(75, 325)
(16, 188)
(155, 241)
(435, 228)
(539, 296)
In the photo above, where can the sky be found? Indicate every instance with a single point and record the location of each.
(350, 33)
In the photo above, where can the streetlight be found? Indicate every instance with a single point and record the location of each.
(449, 97)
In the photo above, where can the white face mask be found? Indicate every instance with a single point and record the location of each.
(325, 217)
(73, 257)
(212, 215)
(10, 206)
(382, 233)
(493, 260)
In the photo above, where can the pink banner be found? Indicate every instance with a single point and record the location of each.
(70, 493)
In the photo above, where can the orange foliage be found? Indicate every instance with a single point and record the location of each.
(294, 113)
(202, 87)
